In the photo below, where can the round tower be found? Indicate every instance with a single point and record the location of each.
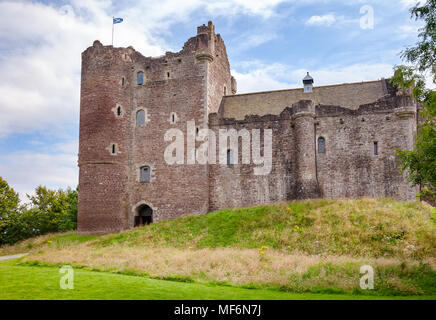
(306, 184)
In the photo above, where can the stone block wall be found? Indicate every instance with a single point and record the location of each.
(189, 85)
(176, 88)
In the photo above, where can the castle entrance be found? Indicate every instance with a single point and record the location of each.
(144, 215)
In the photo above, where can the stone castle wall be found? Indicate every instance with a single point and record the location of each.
(189, 86)
(175, 85)
(348, 168)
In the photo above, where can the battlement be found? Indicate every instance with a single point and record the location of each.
(205, 47)
(209, 29)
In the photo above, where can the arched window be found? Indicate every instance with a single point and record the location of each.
(144, 174)
(321, 145)
(229, 157)
(140, 77)
(140, 117)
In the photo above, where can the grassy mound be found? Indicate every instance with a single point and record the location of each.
(366, 227)
(301, 246)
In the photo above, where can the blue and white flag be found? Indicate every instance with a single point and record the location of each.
(117, 20)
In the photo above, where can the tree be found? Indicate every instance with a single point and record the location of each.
(420, 163)
(48, 211)
(423, 55)
(8, 199)
(55, 210)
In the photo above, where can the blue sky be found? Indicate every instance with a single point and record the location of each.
(270, 43)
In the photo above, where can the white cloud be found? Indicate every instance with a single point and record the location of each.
(325, 20)
(25, 170)
(409, 3)
(40, 64)
(264, 8)
(262, 77)
(250, 40)
(40, 74)
(409, 30)
(40, 60)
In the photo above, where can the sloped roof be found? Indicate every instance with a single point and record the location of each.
(347, 95)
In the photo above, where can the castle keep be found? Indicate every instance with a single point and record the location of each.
(332, 141)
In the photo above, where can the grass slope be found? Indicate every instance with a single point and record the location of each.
(301, 246)
(31, 283)
(348, 227)
(366, 227)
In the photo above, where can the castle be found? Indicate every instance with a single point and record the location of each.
(332, 141)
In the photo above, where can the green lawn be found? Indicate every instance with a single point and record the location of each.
(36, 282)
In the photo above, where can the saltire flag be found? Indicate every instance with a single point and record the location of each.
(117, 20)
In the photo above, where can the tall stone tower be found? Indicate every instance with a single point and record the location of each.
(128, 102)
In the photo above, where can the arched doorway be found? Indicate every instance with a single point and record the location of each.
(143, 216)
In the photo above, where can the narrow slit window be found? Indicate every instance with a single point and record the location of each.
(123, 81)
(225, 90)
(119, 111)
(375, 148)
(144, 174)
(321, 145)
(140, 117)
(168, 74)
(114, 149)
(229, 157)
(140, 78)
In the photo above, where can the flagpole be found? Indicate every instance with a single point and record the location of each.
(113, 31)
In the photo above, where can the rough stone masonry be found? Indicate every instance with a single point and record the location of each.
(333, 141)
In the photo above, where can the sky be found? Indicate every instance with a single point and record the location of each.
(271, 44)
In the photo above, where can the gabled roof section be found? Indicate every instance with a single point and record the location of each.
(347, 95)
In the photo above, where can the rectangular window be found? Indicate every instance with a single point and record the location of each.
(145, 174)
(140, 78)
(375, 148)
(321, 145)
(229, 157)
(140, 117)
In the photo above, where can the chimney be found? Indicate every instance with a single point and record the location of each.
(308, 83)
